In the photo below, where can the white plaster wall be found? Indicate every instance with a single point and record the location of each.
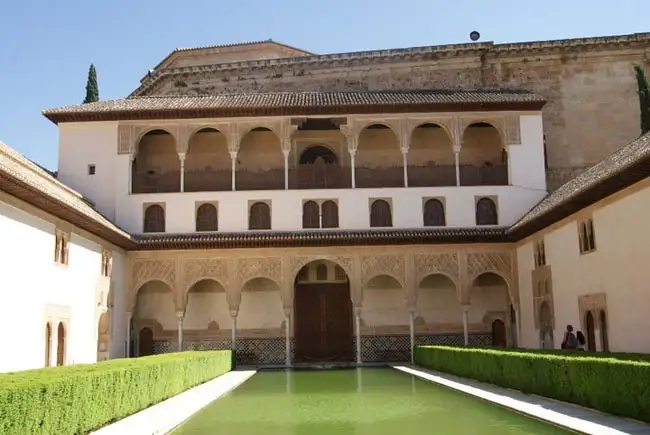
(118, 317)
(617, 268)
(526, 160)
(354, 208)
(84, 143)
(30, 280)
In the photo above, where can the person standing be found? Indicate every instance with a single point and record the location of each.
(569, 342)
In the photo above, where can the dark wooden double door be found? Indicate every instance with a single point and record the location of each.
(323, 322)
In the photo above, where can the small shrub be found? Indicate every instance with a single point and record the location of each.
(81, 398)
(618, 384)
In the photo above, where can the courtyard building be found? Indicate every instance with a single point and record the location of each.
(244, 197)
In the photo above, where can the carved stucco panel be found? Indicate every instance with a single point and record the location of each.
(195, 270)
(499, 263)
(428, 264)
(298, 262)
(144, 271)
(375, 265)
(512, 130)
(259, 267)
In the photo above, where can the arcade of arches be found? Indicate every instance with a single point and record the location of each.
(319, 153)
(296, 305)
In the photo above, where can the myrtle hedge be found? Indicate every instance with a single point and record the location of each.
(618, 384)
(81, 398)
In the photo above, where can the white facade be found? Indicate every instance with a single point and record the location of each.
(35, 290)
(96, 143)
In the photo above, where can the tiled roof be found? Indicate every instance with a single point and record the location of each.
(220, 105)
(25, 175)
(621, 169)
(267, 239)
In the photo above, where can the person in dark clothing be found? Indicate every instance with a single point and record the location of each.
(570, 342)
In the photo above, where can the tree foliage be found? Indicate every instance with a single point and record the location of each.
(92, 89)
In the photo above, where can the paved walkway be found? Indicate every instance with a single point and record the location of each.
(583, 420)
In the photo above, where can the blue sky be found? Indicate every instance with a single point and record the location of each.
(46, 47)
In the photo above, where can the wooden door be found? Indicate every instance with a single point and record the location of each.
(498, 333)
(323, 322)
(145, 342)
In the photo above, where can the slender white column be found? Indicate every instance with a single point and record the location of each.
(286, 169)
(352, 169)
(457, 164)
(287, 337)
(233, 330)
(357, 327)
(128, 335)
(179, 319)
(412, 333)
(233, 169)
(406, 168)
(181, 156)
(465, 327)
(517, 326)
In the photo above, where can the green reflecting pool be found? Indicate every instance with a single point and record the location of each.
(357, 401)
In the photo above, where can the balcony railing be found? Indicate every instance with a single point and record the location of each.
(153, 182)
(208, 181)
(494, 175)
(432, 175)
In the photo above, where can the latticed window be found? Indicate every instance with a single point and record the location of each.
(339, 273)
(207, 218)
(587, 236)
(321, 272)
(434, 213)
(310, 215)
(330, 214)
(61, 247)
(380, 215)
(154, 219)
(540, 254)
(259, 217)
(486, 212)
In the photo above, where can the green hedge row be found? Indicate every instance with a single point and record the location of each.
(81, 398)
(618, 385)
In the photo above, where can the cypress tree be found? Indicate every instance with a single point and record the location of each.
(92, 90)
(644, 98)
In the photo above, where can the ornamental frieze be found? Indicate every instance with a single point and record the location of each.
(259, 267)
(298, 262)
(195, 270)
(429, 264)
(376, 265)
(154, 270)
(495, 262)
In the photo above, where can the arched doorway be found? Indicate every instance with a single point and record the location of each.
(61, 342)
(498, 333)
(48, 344)
(145, 342)
(591, 332)
(546, 326)
(322, 313)
(604, 337)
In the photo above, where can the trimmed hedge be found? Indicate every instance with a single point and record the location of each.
(81, 398)
(618, 385)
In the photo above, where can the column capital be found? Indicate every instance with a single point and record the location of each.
(465, 308)
(456, 149)
(180, 315)
(233, 313)
(182, 156)
(287, 311)
(233, 155)
(357, 311)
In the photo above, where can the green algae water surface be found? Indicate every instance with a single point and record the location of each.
(355, 401)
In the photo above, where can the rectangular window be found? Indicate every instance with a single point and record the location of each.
(107, 263)
(61, 247)
(91, 169)
(586, 236)
(540, 253)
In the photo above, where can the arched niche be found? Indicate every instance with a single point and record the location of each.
(488, 300)
(378, 161)
(261, 307)
(431, 160)
(206, 310)
(260, 162)
(438, 307)
(483, 157)
(61, 344)
(155, 308)
(546, 326)
(156, 165)
(384, 304)
(208, 164)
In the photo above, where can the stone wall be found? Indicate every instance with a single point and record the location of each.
(590, 85)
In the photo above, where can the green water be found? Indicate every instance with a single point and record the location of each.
(358, 401)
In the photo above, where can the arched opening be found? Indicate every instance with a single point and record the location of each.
(498, 333)
(154, 219)
(155, 309)
(207, 323)
(145, 342)
(378, 162)
(591, 331)
(434, 213)
(261, 323)
(61, 344)
(48, 344)
(483, 158)
(310, 215)
(207, 163)
(489, 301)
(546, 326)
(438, 308)
(380, 214)
(156, 167)
(604, 335)
(513, 327)
(319, 168)
(486, 212)
(103, 337)
(431, 159)
(260, 162)
(207, 218)
(330, 212)
(322, 313)
(259, 217)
